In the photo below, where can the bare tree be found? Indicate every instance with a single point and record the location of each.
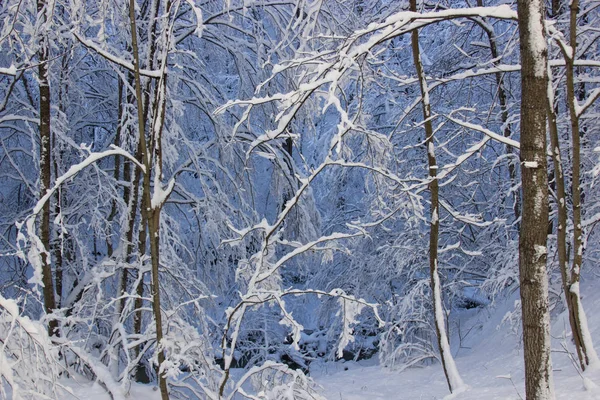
(151, 210)
(450, 371)
(571, 277)
(503, 100)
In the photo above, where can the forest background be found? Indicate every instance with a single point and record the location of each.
(192, 187)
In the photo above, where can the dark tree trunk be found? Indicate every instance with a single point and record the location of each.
(534, 176)
(152, 214)
(453, 379)
(577, 318)
(45, 167)
(58, 243)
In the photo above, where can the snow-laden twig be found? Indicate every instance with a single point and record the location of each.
(487, 132)
(102, 373)
(12, 71)
(28, 360)
(115, 59)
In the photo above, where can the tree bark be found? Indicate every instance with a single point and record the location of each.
(534, 177)
(58, 243)
(45, 165)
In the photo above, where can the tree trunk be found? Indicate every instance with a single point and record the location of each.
(561, 230)
(453, 378)
(152, 214)
(153, 10)
(502, 99)
(534, 177)
(59, 240)
(45, 166)
(115, 335)
(583, 341)
(131, 196)
(116, 171)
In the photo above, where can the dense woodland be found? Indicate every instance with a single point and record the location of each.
(211, 195)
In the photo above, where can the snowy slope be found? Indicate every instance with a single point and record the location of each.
(490, 361)
(86, 390)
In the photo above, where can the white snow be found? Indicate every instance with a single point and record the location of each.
(115, 59)
(491, 134)
(12, 70)
(490, 358)
(91, 390)
(530, 164)
(540, 251)
(594, 362)
(451, 369)
(199, 20)
(160, 195)
(434, 217)
(536, 37)
(489, 355)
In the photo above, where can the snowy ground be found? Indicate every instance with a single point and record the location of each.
(86, 390)
(490, 362)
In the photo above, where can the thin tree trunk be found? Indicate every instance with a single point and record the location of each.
(57, 246)
(453, 378)
(128, 199)
(115, 335)
(117, 170)
(575, 187)
(503, 100)
(561, 231)
(583, 341)
(534, 176)
(45, 166)
(153, 9)
(152, 18)
(139, 290)
(131, 198)
(153, 214)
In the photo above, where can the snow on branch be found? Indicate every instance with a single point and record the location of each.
(28, 360)
(448, 168)
(491, 134)
(160, 194)
(344, 59)
(102, 373)
(588, 102)
(351, 307)
(115, 59)
(301, 249)
(37, 247)
(475, 220)
(501, 12)
(12, 71)
(272, 374)
(75, 169)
